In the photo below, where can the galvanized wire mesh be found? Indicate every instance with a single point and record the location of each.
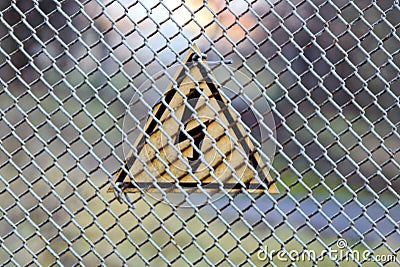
(329, 70)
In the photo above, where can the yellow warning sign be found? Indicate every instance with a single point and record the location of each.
(194, 142)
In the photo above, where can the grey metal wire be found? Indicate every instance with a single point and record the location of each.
(329, 70)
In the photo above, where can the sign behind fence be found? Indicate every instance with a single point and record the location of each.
(194, 142)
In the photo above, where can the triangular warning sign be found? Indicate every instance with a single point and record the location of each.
(194, 142)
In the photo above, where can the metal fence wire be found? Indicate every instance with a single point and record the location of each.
(328, 70)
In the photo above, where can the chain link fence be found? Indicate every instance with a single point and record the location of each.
(329, 70)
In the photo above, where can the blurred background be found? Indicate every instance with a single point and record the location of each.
(68, 69)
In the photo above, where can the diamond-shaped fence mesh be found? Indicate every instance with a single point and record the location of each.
(329, 70)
